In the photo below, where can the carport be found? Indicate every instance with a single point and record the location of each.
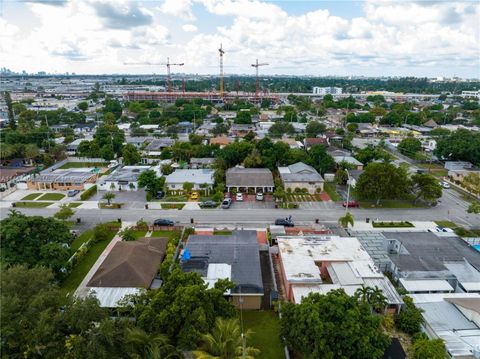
(259, 179)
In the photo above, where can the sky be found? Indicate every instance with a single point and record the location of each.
(316, 37)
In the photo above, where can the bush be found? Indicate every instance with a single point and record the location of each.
(88, 193)
(410, 318)
(142, 225)
(101, 232)
(149, 196)
(128, 234)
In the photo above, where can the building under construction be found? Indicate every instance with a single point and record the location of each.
(215, 97)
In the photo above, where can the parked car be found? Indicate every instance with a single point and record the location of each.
(163, 222)
(444, 229)
(160, 195)
(73, 192)
(259, 196)
(239, 197)
(284, 222)
(194, 196)
(208, 204)
(445, 184)
(351, 204)
(226, 203)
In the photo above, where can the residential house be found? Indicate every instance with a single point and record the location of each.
(243, 179)
(83, 128)
(202, 179)
(138, 141)
(155, 147)
(291, 142)
(235, 257)
(63, 180)
(202, 162)
(124, 178)
(13, 176)
(240, 130)
(300, 175)
(319, 264)
(129, 268)
(221, 141)
(314, 141)
(457, 165)
(352, 161)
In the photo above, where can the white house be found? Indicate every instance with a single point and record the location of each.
(124, 178)
(201, 179)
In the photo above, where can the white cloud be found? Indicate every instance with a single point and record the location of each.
(179, 8)
(189, 28)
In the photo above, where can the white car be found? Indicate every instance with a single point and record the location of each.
(239, 197)
(259, 196)
(445, 184)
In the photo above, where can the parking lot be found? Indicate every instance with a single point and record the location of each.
(126, 197)
(249, 201)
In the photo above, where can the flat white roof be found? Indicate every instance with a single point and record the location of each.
(425, 285)
(110, 296)
(217, 271)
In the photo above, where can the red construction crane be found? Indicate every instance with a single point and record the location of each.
(257, 65)
(168, 64)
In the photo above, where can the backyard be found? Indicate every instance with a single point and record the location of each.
(265, 326)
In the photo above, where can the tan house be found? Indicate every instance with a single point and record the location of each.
(62, 180)
(222, 141)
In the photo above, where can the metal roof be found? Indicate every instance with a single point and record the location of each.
(109, 297)
(195, 176)
(425, 285)
(299, 172)
(249, 177)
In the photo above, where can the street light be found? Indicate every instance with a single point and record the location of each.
(348, 191)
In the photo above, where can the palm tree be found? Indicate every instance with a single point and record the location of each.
(346, 220)
(378, 301)
(226, 342)
(108, 196)
(150, 346)
(363, 294)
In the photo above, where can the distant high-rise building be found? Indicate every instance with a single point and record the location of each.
(327, 91)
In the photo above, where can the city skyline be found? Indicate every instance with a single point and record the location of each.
(319, 38)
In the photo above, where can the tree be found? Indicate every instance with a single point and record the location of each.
(167, 169)
(279, 128)
(327, 326)
(130, 154)
(425, 187)
(346, 220)
(409, 146)
(106, 152)
(382, 180)
(149, 346)
(410, 318)
(64, 213)
(83, 106)
(474, 208)
(187, 187)
(253, 160)
(425, 348)
(34, 240)
(226, 342)
(11, 115)
(108, 196)
(314, 128)
(243, 117)
(320, 159)
(372, 153)
(151, 182)
(461, 145)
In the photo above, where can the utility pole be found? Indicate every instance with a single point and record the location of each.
(221, 52)
(257, 65)
(348, 191)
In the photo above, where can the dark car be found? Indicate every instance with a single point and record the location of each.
(351, 204)
(163, 222)
(284, 222)
(160, 195)
(208, 204)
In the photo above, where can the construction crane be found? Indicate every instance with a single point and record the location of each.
(220, 50)
(257, 65)
(168, 64)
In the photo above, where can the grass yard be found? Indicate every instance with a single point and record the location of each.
(172, 205)
(168, 234)
(31, 196)
(330, 189)
(448, 224)
(139, 234)
(391, 204)
(85, 236)
(222, 233)
(171, 198)
(52, 197)
(265, 326)
(392, 224)
(81, 268)
(74, 204)
(83, 165)
(31, 204)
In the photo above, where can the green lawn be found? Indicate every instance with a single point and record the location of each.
(52, 197)
(31, 196)
(266, 333)
(445, 223)
(81, 268)
(391, 204)
(330, 189)
(435, 169)
(83, 165)
(222, 233)
(74, 204)
(139, 234)
(170, 198)
(172, 205)
(391, 224)
(85, 236)
(168, 234)
(32, 204)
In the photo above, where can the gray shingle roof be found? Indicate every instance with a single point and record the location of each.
(249, 177)
(240, 250)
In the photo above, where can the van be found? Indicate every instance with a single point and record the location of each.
(226, 203)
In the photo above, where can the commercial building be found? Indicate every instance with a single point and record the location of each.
(319, 264)
(235, 257)
(300, 175)
(202, 179)
(124, 178)
(243, 179)
(128, 268)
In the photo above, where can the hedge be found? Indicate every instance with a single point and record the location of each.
(88, 193)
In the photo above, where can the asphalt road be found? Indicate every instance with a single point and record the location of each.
(451, 207)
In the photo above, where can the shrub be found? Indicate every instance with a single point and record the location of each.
(100, 233)
(410, 318)
(88, 193)
(149, 196)
(128, 234)
(142, 225)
